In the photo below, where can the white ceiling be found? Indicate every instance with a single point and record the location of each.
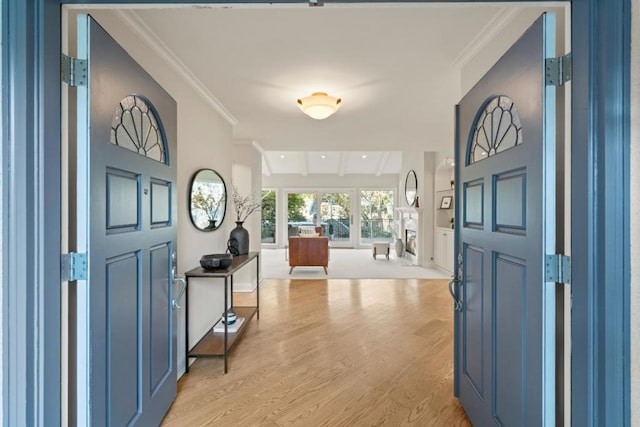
(332, 162)
(396, 68)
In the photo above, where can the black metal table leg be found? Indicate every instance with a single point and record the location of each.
(258, 285)
(226, 296)
(186, 325)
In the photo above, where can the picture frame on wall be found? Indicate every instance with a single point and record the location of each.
(445, 203)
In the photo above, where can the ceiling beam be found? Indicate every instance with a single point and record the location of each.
(382, 163)
(342, 164)
(265, 159)
(304, 163)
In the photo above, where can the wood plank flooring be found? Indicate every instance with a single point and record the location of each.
(332, 353)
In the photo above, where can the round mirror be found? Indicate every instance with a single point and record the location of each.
(208, 200)
(411, 188)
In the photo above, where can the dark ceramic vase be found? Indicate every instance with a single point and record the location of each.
(240, 238)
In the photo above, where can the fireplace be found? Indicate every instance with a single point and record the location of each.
(411, 228)
(410, 241)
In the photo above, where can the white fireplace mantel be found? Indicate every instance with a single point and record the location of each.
(409, 218)
(409, 211)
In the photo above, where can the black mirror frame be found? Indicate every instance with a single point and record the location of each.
(406, 181)
(190, 206)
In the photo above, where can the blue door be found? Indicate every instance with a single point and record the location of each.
(505, 325)
(127, 225)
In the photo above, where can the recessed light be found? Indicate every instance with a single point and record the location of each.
(364, 156)
(323, 156)
(282, 156)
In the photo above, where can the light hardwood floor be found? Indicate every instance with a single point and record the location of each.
(332, 353)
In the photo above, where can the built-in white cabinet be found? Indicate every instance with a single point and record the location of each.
(444, 256)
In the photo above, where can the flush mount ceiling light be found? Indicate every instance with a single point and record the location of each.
(319, 105)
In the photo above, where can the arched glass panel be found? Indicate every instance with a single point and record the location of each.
(136, 128)
(497, 128)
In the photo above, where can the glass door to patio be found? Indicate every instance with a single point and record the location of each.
(301, 211)
(376, 216)
(329, 210)
(336, 218)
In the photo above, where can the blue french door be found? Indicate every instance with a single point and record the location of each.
(127, 225)
(505, 318)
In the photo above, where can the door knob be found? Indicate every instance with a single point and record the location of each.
(175, 303)
(457, 304)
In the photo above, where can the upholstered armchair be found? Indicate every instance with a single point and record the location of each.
(309, 231)
(309, 250)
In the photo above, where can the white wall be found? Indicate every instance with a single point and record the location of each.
(247, 177)
(635, 213)
(284, 182)
(204, 141)
(428, 206)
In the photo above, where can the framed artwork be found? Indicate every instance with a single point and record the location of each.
(445, 203)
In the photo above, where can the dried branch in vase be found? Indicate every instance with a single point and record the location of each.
(244, 205)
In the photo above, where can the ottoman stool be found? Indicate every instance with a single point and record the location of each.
(380, 248)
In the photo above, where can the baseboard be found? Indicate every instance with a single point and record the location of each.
(246, 290)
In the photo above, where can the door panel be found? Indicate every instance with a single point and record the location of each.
(123, 201)
(160, 333)
(473, 204)
(160, 203)
(509, 318)
(473, 324)
(122, 332)
(126, 149)
(510, 202)
(505, 328)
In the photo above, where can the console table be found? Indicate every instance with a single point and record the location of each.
(219, 344)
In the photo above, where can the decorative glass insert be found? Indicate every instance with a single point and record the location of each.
(136, 128)
(497, 129)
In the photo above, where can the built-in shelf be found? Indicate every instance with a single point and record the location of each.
(212, 344)
(445, 191)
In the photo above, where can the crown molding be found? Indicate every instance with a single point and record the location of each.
(489, 32)
(132, 20)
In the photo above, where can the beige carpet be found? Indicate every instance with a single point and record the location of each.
(347, 264)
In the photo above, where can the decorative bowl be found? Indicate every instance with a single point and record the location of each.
(216, 261)
(229, 318)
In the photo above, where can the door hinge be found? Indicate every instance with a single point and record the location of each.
(73, 71)
(74, 266)
(558, 70)
(557, 268)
